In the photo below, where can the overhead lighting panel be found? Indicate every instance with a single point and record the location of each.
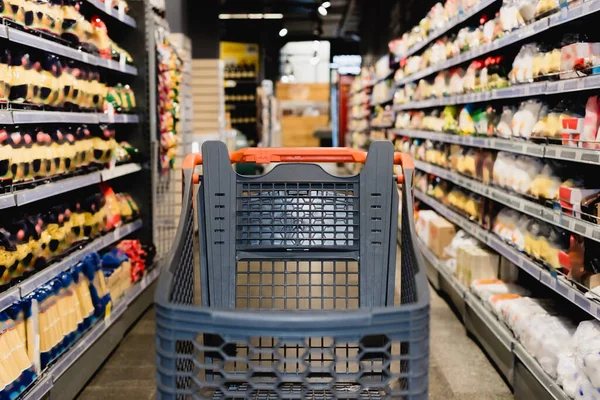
(273, 16)
(251, 16)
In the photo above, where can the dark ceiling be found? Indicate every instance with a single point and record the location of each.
(300, 16)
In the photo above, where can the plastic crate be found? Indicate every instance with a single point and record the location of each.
(289, 287)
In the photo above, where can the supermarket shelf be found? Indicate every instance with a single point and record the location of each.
(555, 282)
(61, 117)
(499, 342)
(554, 217)
(528, 31)
(117, 14)
(556, 152)
(69, 261)
(121, 170)
(28, 39)
(382, 126)
(53, 117)
(55, 188)
(523, 90)
(545, 384)
(52, 189)
(52, 376)
(7, 201)
(449, 26)
(447, 283)
(118, 118)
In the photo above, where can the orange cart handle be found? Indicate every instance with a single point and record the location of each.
(299, 155)
(302, 155)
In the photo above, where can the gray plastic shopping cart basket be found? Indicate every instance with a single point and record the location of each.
(290, 288)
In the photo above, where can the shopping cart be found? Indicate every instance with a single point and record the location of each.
(290, 288)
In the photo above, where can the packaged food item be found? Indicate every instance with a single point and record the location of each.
(474, 263)
(579, 55)
(525, 119)
(5, 75)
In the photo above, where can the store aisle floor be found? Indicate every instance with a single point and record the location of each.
(459, 369)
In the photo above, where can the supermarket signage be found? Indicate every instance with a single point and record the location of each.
(347, 65)
(240, 53)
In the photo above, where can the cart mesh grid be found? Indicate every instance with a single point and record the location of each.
(297, 285)
(298, 215)
(281, 311)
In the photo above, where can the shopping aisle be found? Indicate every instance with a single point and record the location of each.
(129, 374)
(459, 369)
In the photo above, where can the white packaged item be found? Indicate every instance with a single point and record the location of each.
(485, 289)
(545, 337)
(567, 373)
(504, 128)
(587, 354)
(586, 391)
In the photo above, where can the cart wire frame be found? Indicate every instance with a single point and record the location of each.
(289, 288)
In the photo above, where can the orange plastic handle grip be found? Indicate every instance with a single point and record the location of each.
(302, 155)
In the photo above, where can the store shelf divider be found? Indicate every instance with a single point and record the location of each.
(548, 151)
(121, 170)
(55, 188)
(53, 117)
(7, 201)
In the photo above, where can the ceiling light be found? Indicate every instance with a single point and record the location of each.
(273, 16)
(283, 32)
(322, 10)
(251, 16)
(326, 4)
(316, 45)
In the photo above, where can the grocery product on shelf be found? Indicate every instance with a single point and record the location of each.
(18, 371)
(117, 270)
(62, 20)
(30, 242)
(169, 90)
(106, 46)
(50, 152)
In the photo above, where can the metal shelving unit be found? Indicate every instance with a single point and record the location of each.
(554, 217)
(517, 91)
(528, 31)
(62, 117)
(557, 283)
(119, 14)
(459, 20)
(66, 376)
(31, 284)
(53, 188)
(28, 39)
(523, 373)
(58, 373)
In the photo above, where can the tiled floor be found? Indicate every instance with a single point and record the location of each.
(459, 369)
